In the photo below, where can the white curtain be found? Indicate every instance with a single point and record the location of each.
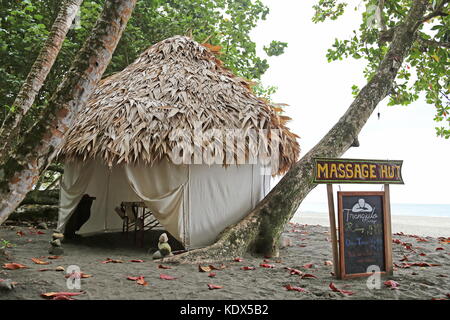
(72, 187)
(162, 188)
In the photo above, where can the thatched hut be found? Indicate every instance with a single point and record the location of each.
(159, 132)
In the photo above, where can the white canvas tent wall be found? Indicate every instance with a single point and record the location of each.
(193, 202)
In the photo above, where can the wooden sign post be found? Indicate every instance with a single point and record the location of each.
(364, 218)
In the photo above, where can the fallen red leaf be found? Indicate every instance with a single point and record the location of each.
(422, 254)
(238, 260)
(392, 284)
(248, 268)
(308, 266)
(294, 271)
(53, 257)
(62, 297)
(20, 233)
(292, 288)
(166, 277)
(440, 248)
(212, 274)
(141, 281)
(108, 260)
(137, 260)
(77, 275)
(204, 268)
(266, 265)
(164, 267)
(213, 286)
(424, 264)
(56, 294)
(13, 266)
(308, 275)
(44, 269)
(38, 261)
(405, 258)
(335, 289)
(221, 267)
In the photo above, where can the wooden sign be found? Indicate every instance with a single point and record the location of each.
(357, 171)
(364, 233)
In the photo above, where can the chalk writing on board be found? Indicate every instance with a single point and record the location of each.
(363, 232)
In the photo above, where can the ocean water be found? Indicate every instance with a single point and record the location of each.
(398, 209)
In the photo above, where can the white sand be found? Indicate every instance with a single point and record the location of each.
(423, 226)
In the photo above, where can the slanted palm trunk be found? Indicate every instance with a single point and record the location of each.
(261, 229)
(24, 166)
(37, 76)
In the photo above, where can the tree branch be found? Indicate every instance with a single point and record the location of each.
(437, 12)
(381, 17)
(432, 43)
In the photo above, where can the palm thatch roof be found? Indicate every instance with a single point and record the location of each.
(173, 85)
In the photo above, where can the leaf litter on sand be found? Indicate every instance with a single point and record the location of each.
(293, 288)
(335, 289)
(139, 280)
(166, 277)
(14, 266)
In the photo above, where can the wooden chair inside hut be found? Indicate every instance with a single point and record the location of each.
(137, 217)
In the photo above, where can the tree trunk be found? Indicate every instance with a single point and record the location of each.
(261, 229)
(44, 140)
(37, 76)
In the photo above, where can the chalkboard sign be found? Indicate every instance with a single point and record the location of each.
(362, 232)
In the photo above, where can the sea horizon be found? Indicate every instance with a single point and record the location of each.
(397, 209)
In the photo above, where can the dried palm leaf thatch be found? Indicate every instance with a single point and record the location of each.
(175, 88)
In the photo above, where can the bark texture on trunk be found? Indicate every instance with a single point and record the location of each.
(23, 168)
(261, 229)
(37, 75)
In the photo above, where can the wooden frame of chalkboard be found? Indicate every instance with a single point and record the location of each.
(386, 267)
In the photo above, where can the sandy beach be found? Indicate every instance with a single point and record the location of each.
(309, 255)
(423, 226)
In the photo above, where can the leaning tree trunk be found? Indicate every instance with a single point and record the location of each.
(261, 229)
(37, 76)
(44, 140)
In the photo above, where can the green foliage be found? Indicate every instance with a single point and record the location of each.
(24, 26)
(424, 72)
(275, 48)
(4, 244)
(328, 9)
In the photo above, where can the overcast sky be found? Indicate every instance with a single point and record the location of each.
(319, 92)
